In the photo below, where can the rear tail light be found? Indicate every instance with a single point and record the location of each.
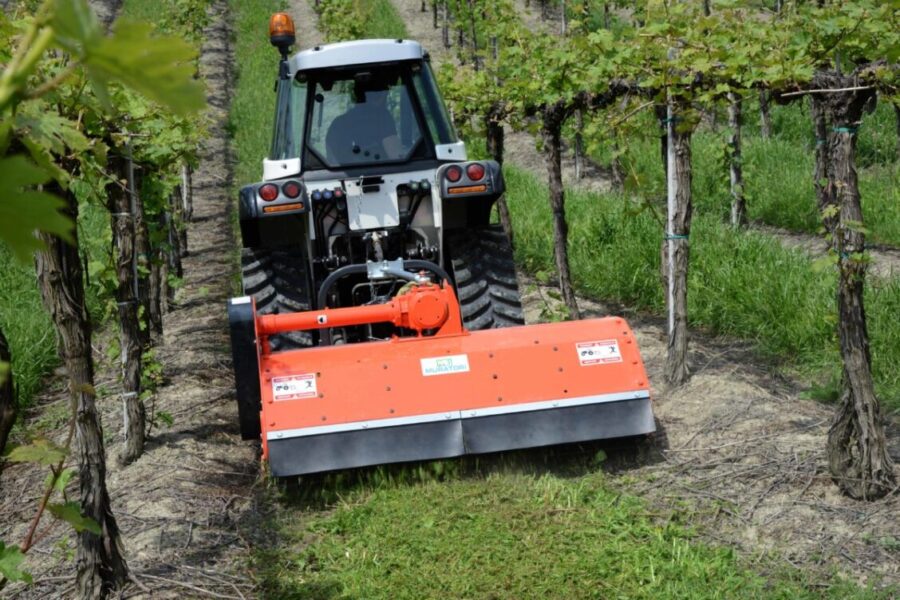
(268, 192)
(291, 189)
(453, 174)
(475, 171)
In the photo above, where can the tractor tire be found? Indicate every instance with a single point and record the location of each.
(485, 273)
(276, 279)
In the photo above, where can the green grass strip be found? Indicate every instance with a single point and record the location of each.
(253, 103)
(342, 20)
(513, 536)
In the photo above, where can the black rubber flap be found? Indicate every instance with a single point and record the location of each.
(512, 431)
(365, 447)
(455, 437)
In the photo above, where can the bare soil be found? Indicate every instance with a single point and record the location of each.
(738, 444)
(885, 261)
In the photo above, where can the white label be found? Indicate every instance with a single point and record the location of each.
(598, 353)
(294, 387)
(445, 365)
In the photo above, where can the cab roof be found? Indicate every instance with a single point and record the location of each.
(358, 52)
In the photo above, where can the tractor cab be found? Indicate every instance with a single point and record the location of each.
(358, 108)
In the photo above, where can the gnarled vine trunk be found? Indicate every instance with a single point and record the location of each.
(551, 132)
(857, 450)
(825, 200)
(736, 169)
(677, 243)
(496, 137)
(141, 249)
(100, 562)
(123, 246)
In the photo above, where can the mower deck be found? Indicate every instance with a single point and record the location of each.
(436, 397)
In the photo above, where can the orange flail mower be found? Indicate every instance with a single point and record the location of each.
(451, 393)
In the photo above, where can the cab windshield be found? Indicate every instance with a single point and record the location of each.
(367, 115)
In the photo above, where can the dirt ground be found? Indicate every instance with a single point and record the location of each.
(737, 441)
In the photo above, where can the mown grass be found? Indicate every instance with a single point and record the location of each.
(513, 535)
(743, 284)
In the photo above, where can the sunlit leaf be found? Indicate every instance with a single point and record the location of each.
(23, 210)
(40, 451)
(10, 559)
(70, 512)
(158, 67)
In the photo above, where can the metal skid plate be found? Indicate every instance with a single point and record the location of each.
(425, 398)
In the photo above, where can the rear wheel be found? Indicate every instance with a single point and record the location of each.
(485, 273)
(276, 278)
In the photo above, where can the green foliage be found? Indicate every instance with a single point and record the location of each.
(70, 512)
(41, 451)
(342, 20)
(23, 210)
(10, 559)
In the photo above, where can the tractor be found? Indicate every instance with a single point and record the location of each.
(381, 320)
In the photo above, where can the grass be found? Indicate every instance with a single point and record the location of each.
(253, 103)
(382, 20)
(27, 326)
(512, 535)
(778, 171)
(740, 283)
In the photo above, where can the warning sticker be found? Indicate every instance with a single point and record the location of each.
(294, 387)
(445, 365)
(598, 353)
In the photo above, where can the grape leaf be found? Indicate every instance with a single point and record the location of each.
(40, 451)
(70, 512)
(10, 559)
(22, 211)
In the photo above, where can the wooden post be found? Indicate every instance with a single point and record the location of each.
(141, 248)
(857, 449)
(445, 30)
(8, 404)
(100, 563)
(551, 132)
(563, 23)
(579, 145)
(130, 339)
(765, 119)
(736, 169)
